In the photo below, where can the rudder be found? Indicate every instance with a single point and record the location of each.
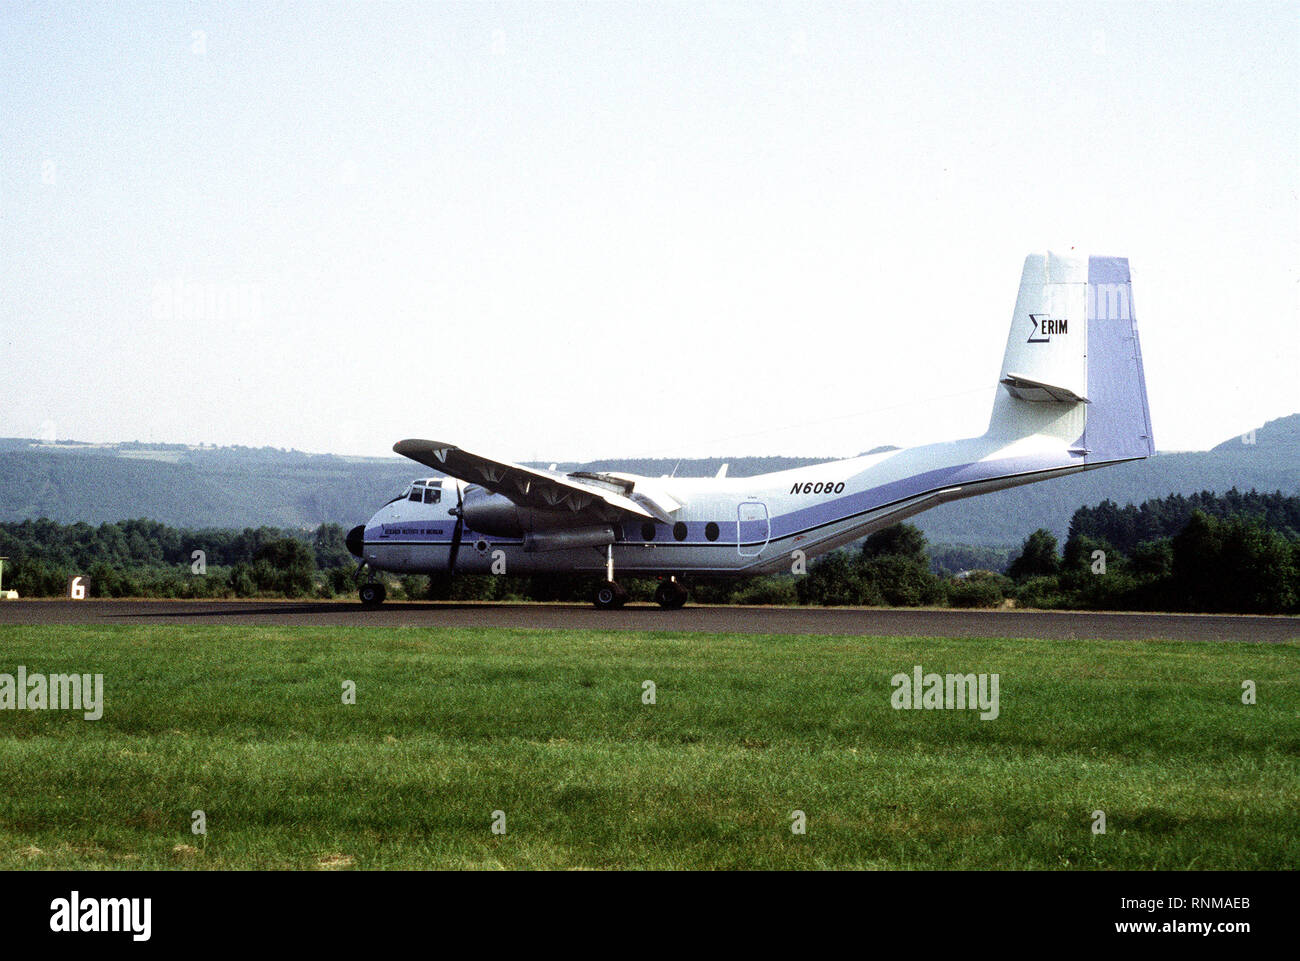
(1119, 417)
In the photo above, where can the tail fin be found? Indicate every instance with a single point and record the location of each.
(1072, 371)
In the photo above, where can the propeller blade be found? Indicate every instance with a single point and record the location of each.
(459, 530)
(455, 545)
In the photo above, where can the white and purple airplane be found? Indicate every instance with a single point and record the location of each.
(1072, 397)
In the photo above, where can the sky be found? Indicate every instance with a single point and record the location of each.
(552, 231)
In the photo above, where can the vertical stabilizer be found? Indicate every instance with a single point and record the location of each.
(1072, 371)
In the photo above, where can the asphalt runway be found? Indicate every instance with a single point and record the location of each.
(1049, 625)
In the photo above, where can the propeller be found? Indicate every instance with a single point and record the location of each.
(356, 545)
(459, 513)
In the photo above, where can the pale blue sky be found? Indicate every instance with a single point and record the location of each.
(559, 231)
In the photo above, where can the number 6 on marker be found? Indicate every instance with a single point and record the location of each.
(76, 589)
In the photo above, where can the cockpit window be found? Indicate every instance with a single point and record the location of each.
(432, 495)
(417, 494)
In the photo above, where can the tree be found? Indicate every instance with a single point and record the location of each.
(895, 562)
(1037, 557)
(897, 540)
(1233, 565)
(901, 580)
(837, 579)
(1197, 552)
(285, 565)
(1154, 559)
(977, 589)
(331, 550)
(1079, 550)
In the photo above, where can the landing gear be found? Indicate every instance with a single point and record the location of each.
(670, 594)
(609, 596)
(373, 594)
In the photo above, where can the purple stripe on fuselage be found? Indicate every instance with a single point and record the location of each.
(907, 488)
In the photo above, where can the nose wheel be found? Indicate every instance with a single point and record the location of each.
(609, 596)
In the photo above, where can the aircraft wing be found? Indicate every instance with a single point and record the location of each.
(529, 487)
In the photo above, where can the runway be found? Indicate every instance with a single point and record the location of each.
(895, 622)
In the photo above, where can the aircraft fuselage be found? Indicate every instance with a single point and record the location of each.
(729, 526)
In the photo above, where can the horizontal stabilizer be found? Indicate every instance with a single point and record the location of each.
(1025, 388)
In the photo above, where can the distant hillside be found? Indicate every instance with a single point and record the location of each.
(238, 487)
(1270, 463)
(215, 487)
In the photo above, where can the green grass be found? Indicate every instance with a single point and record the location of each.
(247, 724)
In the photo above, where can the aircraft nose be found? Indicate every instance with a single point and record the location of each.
(355, 540)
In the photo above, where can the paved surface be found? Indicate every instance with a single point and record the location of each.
(749, 620)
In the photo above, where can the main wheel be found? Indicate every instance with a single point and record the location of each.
(609, 596)
(670, 595)
(373, 594)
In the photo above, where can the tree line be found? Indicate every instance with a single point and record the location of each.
(1215, 563)
(1235, 552)
(143, 558)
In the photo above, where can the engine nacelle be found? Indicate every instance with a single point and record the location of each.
(498, 516)
(563, 540)
(493, 514)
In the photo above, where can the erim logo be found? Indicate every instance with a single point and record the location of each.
(102, 915)
(1045, 327)
(946, 692)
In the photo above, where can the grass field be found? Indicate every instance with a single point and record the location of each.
(247, 724)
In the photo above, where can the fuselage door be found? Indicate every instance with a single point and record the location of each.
(753, 528)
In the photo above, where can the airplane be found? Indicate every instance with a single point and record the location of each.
(1071, 397)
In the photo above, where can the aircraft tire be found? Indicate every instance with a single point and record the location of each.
(670, 595)
(608, 596)
(372, 594)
